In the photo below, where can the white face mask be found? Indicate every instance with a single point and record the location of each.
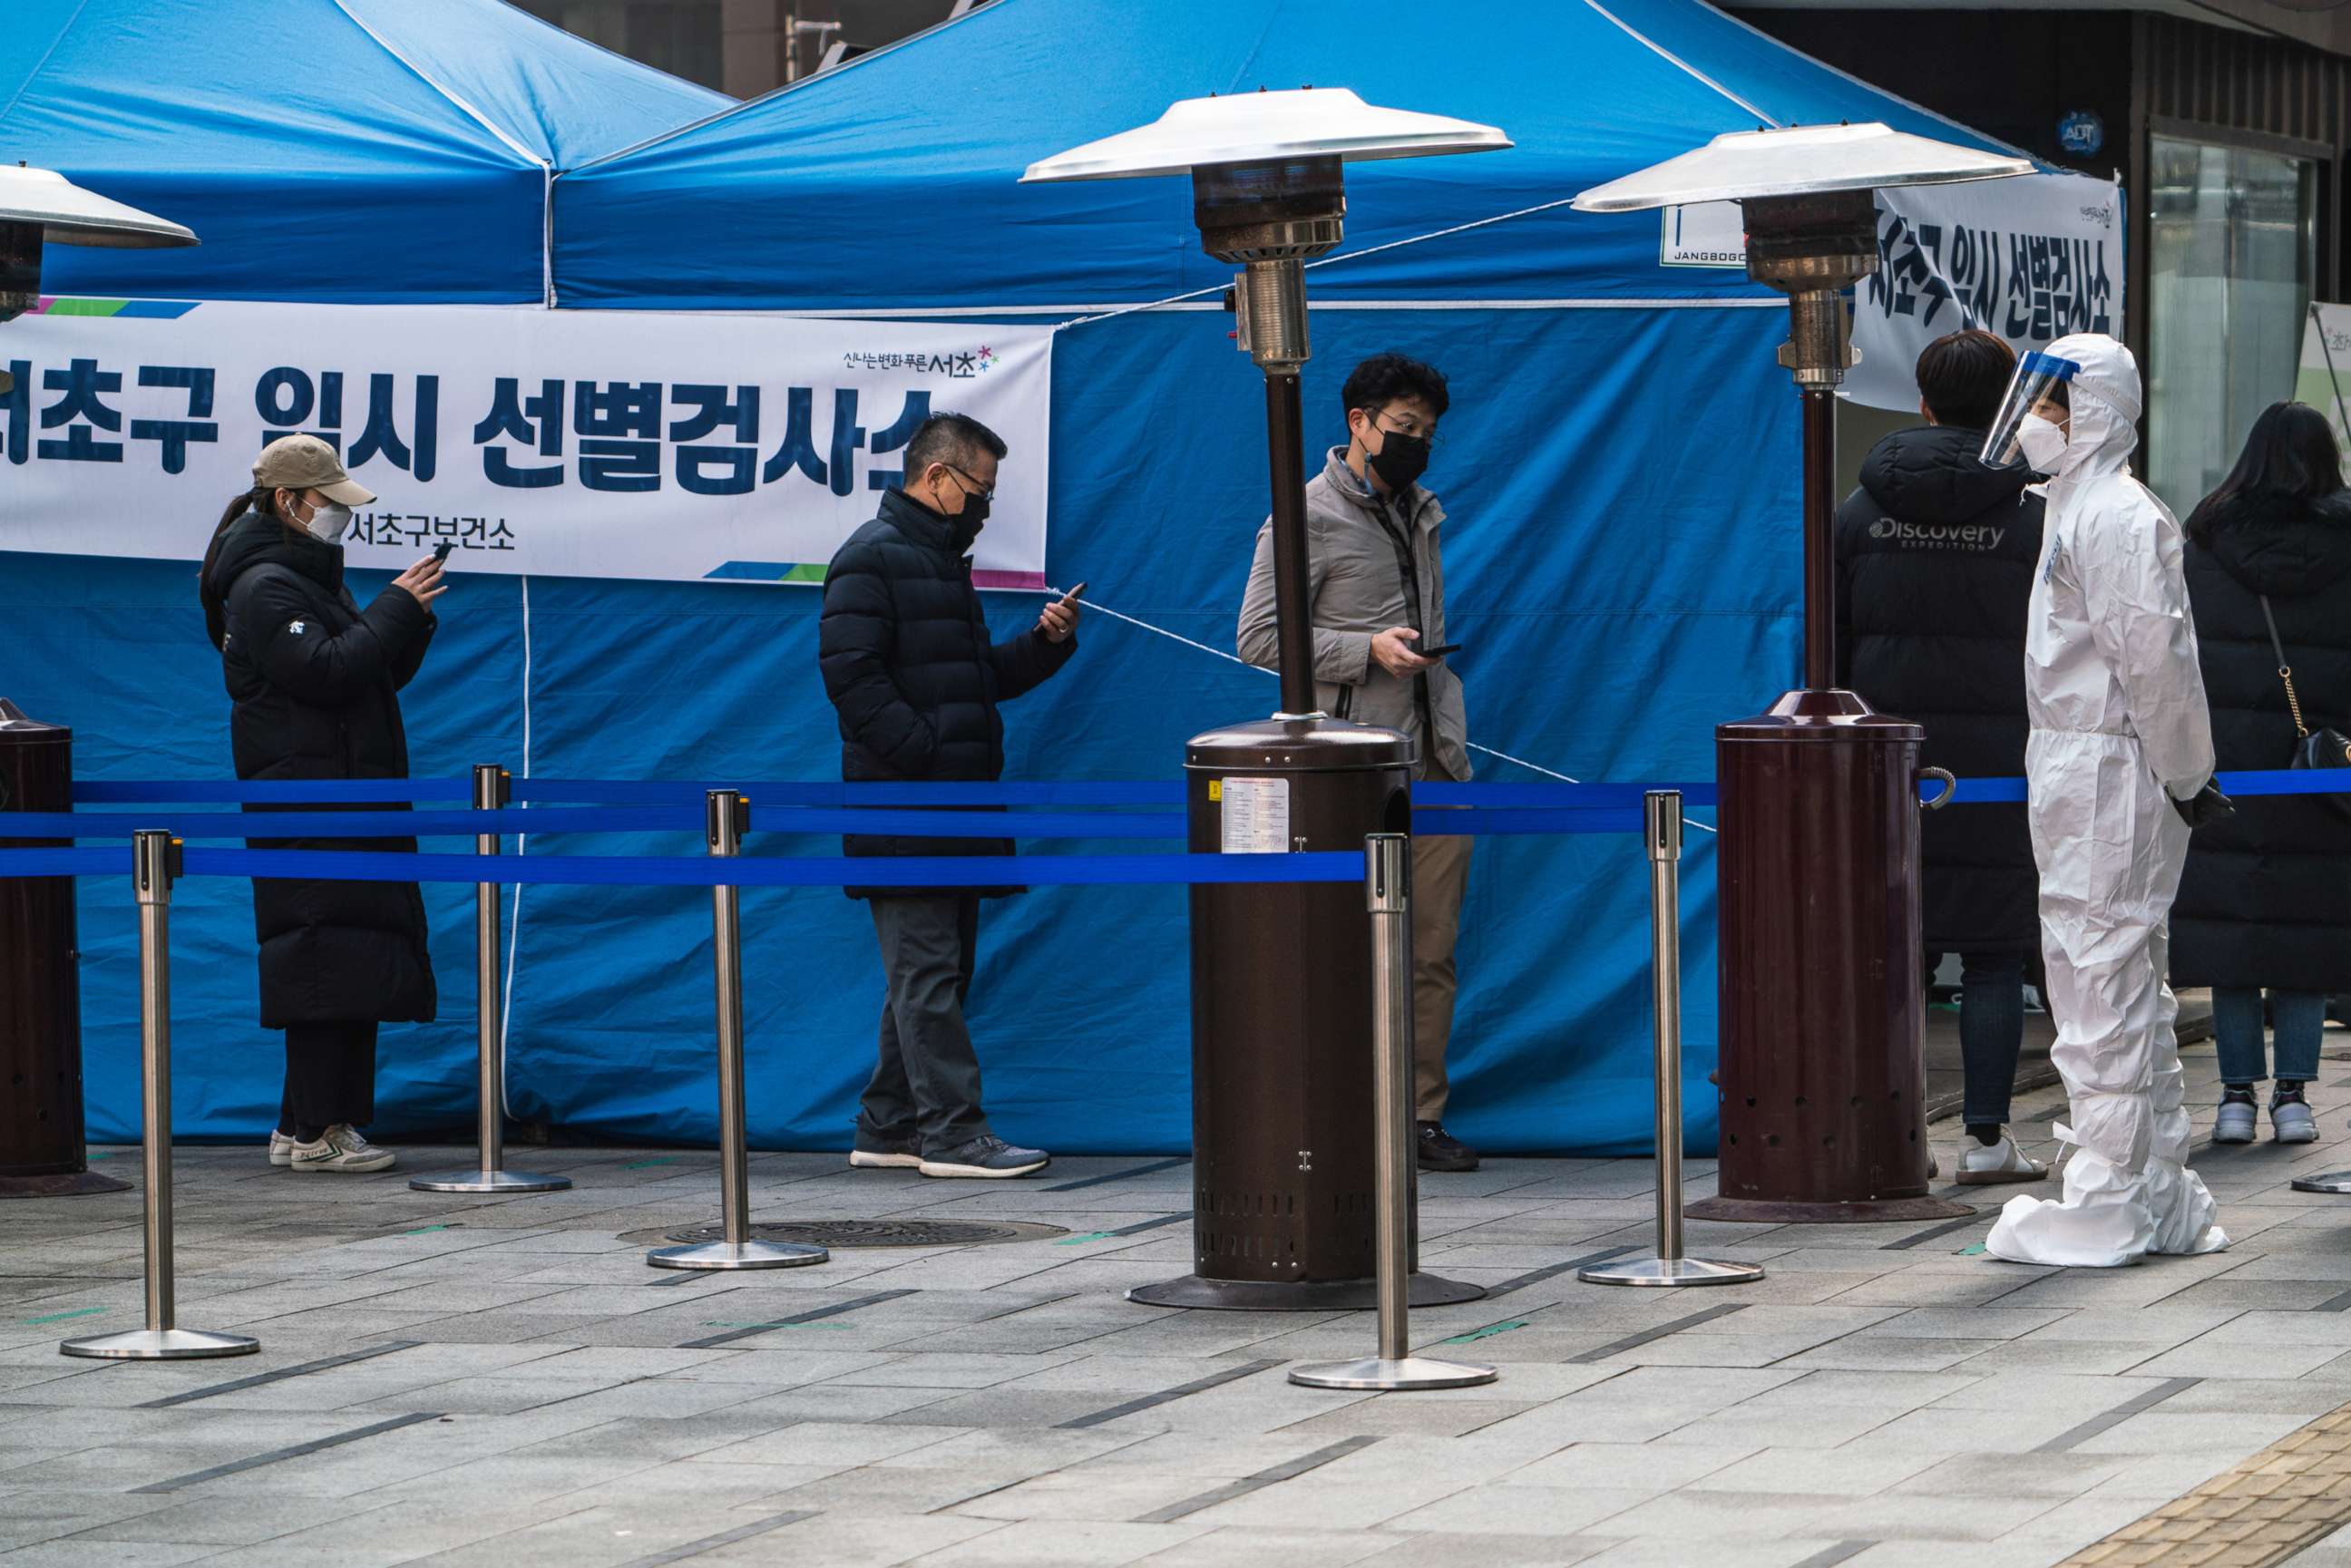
(329, 521)
(2043, 443)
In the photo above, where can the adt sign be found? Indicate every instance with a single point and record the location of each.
(2082, 133)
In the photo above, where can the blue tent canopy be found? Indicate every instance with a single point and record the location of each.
(891, 183)
(1619, 468)
(352, 150)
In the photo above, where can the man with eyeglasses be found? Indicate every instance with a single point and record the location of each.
(910, 669)
(1376, 593)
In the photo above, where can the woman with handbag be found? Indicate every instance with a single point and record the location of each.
(2266, 903)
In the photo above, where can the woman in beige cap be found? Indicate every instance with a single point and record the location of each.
(314, 681)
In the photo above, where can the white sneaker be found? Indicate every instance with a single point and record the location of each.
(1983, 1165)
(342, 1148)
(281, 1148)
(2237, 1123)
(2293, 1122)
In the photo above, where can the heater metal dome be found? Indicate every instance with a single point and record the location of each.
(1803, 161)
(68, 215)
(1262, 127)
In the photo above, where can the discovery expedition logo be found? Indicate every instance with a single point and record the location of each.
(1939, 536)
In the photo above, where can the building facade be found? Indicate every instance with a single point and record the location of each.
(745, 47)
(2226, 122)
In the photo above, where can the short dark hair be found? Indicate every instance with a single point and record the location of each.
(955, 440)
(1383, 378)
(1963, 375)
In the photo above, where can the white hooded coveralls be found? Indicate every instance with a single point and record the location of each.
(2119, 728)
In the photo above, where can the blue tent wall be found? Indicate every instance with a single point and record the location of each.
(1616, 595)
(1622, 561)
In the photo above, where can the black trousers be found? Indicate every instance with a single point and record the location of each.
(329, 1076)
(926, 1085)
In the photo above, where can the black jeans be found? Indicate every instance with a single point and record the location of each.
(1991, 1031)
(926, 1085)
(329, 1077)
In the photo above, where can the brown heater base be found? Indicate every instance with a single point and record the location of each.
(1301, 1296)
(1869, 1211)
(60, 1184)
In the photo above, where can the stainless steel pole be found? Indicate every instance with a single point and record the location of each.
(492, 791)
(1387, 885)
(729, 817)
(1662, 825)
(156, 860)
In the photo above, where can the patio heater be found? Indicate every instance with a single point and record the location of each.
(1823, 1078)
(1282, 1115)
(42, 1153)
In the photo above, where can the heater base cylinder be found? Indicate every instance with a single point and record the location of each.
(1284, 1186)
(1824, 1002)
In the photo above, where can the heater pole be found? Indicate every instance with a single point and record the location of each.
(1819, 556)
(1285, 448)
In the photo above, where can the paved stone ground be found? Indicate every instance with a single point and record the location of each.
(507, 1384)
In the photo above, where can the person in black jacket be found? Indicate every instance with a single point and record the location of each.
(314, 681)
(2266, 902)
(916, 678)
(1935, 559)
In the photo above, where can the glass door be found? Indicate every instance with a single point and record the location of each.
(2232, 248)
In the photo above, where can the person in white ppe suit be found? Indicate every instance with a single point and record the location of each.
(2118, 767)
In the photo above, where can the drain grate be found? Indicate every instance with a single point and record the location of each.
(875, 1232)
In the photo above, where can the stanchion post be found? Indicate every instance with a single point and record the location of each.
(493, 792)
(156, 862)
(729, 817)
(1662, 827)
(1387, 886)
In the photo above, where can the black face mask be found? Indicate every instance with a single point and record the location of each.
(974, 514)
(1400, 460)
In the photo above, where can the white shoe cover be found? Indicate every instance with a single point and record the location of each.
(2108, 1217)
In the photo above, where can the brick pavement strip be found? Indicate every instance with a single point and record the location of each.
(2291, 1494)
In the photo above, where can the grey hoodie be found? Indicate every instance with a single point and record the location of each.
(1357, 589)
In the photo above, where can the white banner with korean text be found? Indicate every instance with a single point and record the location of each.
(617, 444)
(2031, 259)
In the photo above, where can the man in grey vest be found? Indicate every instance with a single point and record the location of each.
(1375, 588)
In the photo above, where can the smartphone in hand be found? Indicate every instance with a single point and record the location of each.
(441, 551)
(1076, 595)
(1439, 651)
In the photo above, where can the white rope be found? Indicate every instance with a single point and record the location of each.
(1676, 60)
(522, 846)
(1231, 659)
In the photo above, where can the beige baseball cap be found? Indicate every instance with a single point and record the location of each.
(307, 463)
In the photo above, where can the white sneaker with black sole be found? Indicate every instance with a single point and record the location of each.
(343, 1149)
(281, 1148)
(987, 1159)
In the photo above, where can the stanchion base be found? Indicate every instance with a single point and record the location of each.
(1863, 1211)
(1380, 1377)
(728, 1255)
(60, 1184)
(489, 1181)
(161, 1344)
(2335, 1182)
(1301, 1296)
(1670, 1271)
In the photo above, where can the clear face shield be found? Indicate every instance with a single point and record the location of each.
(2028, 431)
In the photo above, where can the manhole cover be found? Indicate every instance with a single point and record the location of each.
(874, 1232)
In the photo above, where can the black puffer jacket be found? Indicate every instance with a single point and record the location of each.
(1935, 560)
(910, 668)
(315, 681)
(2266, 900)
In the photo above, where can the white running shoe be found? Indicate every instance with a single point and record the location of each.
(281, 1148)
(1983, 1165)
(2237, 1123)
(2293, 1122)
(342, 1148)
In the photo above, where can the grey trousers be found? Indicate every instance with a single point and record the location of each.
(925, 1086)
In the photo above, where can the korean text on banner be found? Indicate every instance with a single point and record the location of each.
(2324, 378)
(2031, 259)
(619, 443)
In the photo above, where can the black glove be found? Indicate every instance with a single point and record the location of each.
(2206, 805)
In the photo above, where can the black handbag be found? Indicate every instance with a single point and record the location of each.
(2324, 749)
